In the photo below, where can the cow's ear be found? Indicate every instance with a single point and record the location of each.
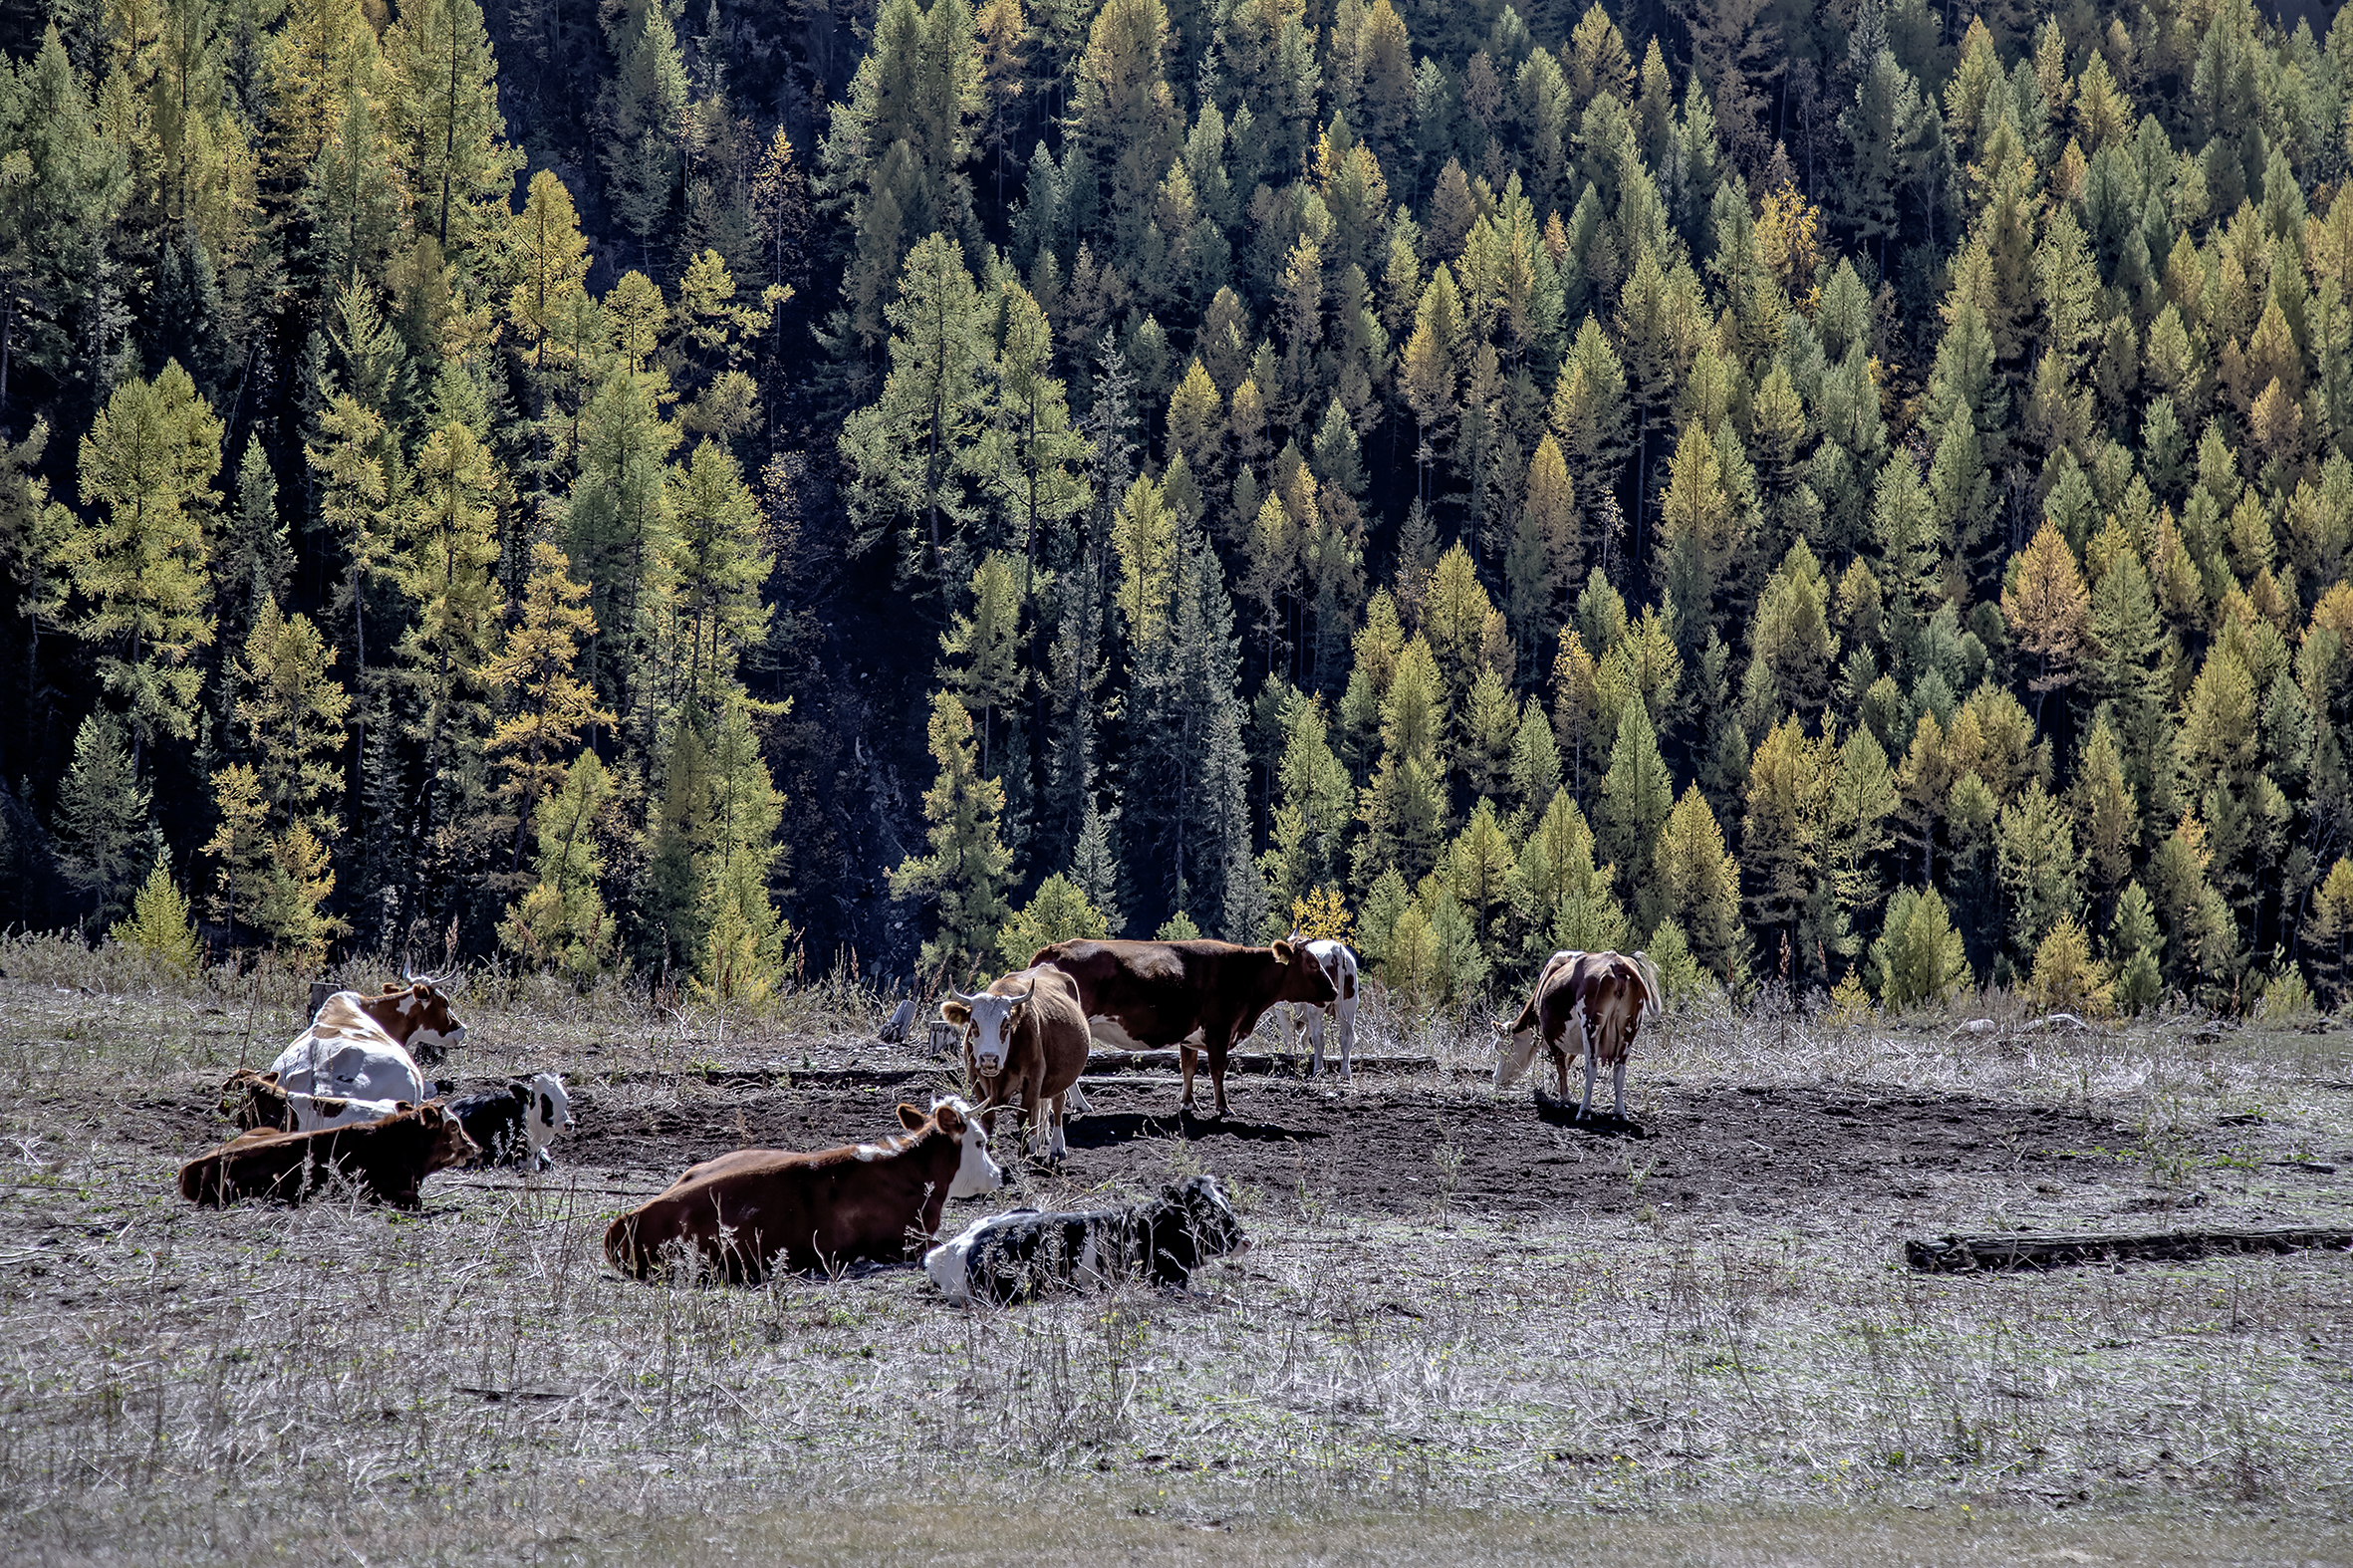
(1284, 951)
(951, 1121)
(911, 1118)
(955, 1012)
(399, 1106)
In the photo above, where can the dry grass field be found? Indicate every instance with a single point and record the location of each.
(1466, 1331)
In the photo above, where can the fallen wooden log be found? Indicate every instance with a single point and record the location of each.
(1265, 1063)
(1966, 1254)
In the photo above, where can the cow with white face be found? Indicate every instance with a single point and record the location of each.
(1026, 1036)
(1339, 966)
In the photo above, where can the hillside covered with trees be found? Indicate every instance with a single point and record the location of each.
(1856, 494)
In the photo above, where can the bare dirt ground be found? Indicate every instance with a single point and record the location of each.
(1468, 1330)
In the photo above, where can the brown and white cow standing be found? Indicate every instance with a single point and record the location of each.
(1155, 995)
(1602, 998)
(749, 1211)
(389, 1160)
(1024, 1035)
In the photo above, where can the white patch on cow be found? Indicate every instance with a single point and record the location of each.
(407, 1004)
(1074, 1101)
(312, 1111)
(950, 1265)
(336, 1058)
(975, 1171)
(547, 1110)
(449, 1040)
(1514, 1051)
(1114, 1036)
(870, 1150)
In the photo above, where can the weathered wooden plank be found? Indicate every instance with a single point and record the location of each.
(1954, 1255)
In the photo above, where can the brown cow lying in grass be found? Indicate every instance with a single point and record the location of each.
(389, 1160)
(1024, 1036)
(1602, 998)
(751, 1211)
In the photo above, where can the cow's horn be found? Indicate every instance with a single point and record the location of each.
(1025, 995)
(961, 997)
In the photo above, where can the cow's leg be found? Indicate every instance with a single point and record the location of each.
(1186, 1056)
(1315, 1038)
(1347, 1009)
(1057, 1148)
(1034, 1110)
(1585, 1106)
(1218, 1055)
(1618, 1082)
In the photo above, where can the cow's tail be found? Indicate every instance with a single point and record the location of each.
(1648, 973)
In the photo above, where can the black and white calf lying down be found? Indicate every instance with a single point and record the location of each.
(1010, 1257)
(515, 1125)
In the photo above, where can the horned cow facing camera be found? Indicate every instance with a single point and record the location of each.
(1024, 1036)
(755, 1211)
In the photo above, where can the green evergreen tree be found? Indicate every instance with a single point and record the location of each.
(965, 873)
(103, 828)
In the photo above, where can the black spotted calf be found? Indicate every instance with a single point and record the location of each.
(515, 1123)
(1010, 1257)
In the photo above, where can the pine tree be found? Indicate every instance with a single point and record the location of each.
(1919, 959)
(103, 828)
(2047, 608)
(1695, 887)
(290, 714)
(448, 533)
(910, 447)
(981, 651)
(1404, 808)
(715, 562)
(966, 871)
(897, 150)
(539, 669)
(561, 922)
(743, 935)
(1057, 912)
(645, 113)
(140, 588)
(1313, 801)
(159, 924)
(620, 518)
(1560, 898)
(1638, 793)
(446, 125)
(2036, 843)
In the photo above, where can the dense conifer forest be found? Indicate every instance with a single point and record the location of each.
(1855, 496)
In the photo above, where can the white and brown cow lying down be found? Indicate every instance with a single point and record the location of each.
(514, 1124)
(755, 1211)
(1585, 1003)
(257, 1103)
(1339, 966)
(1155, 994)
(1024, 1037)
(387, 1160)
(1010, 1257)
(357, 1046)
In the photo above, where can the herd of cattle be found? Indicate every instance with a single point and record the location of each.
(349, 1102)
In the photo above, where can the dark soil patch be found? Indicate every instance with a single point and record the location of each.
(1378, 1149)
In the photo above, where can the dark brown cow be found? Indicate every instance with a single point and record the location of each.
(1157, 993)
(389, 1160)
(1602, 999)
(749, 1211)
